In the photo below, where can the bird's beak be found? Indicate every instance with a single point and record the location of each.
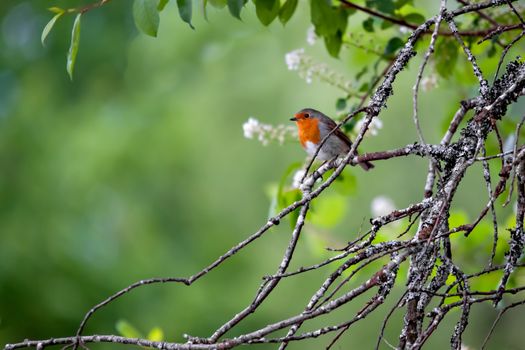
(294, 119)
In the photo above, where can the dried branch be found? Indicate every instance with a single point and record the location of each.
(428, 252)
(430, 51)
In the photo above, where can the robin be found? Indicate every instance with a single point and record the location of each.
(313, 127)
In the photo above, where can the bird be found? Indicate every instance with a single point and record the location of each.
(313, 126)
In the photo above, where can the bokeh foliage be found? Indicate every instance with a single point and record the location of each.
(138, 167)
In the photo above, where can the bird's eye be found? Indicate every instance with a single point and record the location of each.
(306, 115)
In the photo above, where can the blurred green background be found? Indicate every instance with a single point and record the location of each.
(139, 168)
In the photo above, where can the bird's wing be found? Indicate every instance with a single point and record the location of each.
(343, 137)
(338, 133)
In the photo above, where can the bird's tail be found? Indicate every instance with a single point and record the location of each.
(366, 165)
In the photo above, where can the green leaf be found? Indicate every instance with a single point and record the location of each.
(340, 104)
(127, 330)
(235, 7)
(49, 26)
(326, 19)
(280, 188)
(349, 126)
(451, 279)
(285, 198)
(393, 45)
(446, 56)
(218, 3)
(333, 43)
(73, 47)
(386, 24)
(162, 4)
(368, 24)
(55, 9)
(346, 184)
(414, 18)
(362, 72)
(287, 10)
(146, 16)
(185, 11)
(156, 334)
(407, 9)
(386, 6)
(400, 3)
(491, 51)
(266, 10)
(328, 210)
(364, 87)
(330, 23)
(271, 192)
(204, 4)
(288, 198)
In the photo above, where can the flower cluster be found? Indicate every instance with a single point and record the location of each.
(311, 37)
(298, 61)
(295, 59)
(266, 132)
(375, 125)
(429, 82)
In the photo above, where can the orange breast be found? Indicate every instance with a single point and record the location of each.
(308, 131)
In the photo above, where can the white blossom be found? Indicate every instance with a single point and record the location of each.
(373, 129)
(293, 59)
(311, 37)
(265, 133)
(429, 82)
(297, 177)
(375, 125)
(297, 60)
(250, 127)
(381, 206)
(404, 30)
(308, 76)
